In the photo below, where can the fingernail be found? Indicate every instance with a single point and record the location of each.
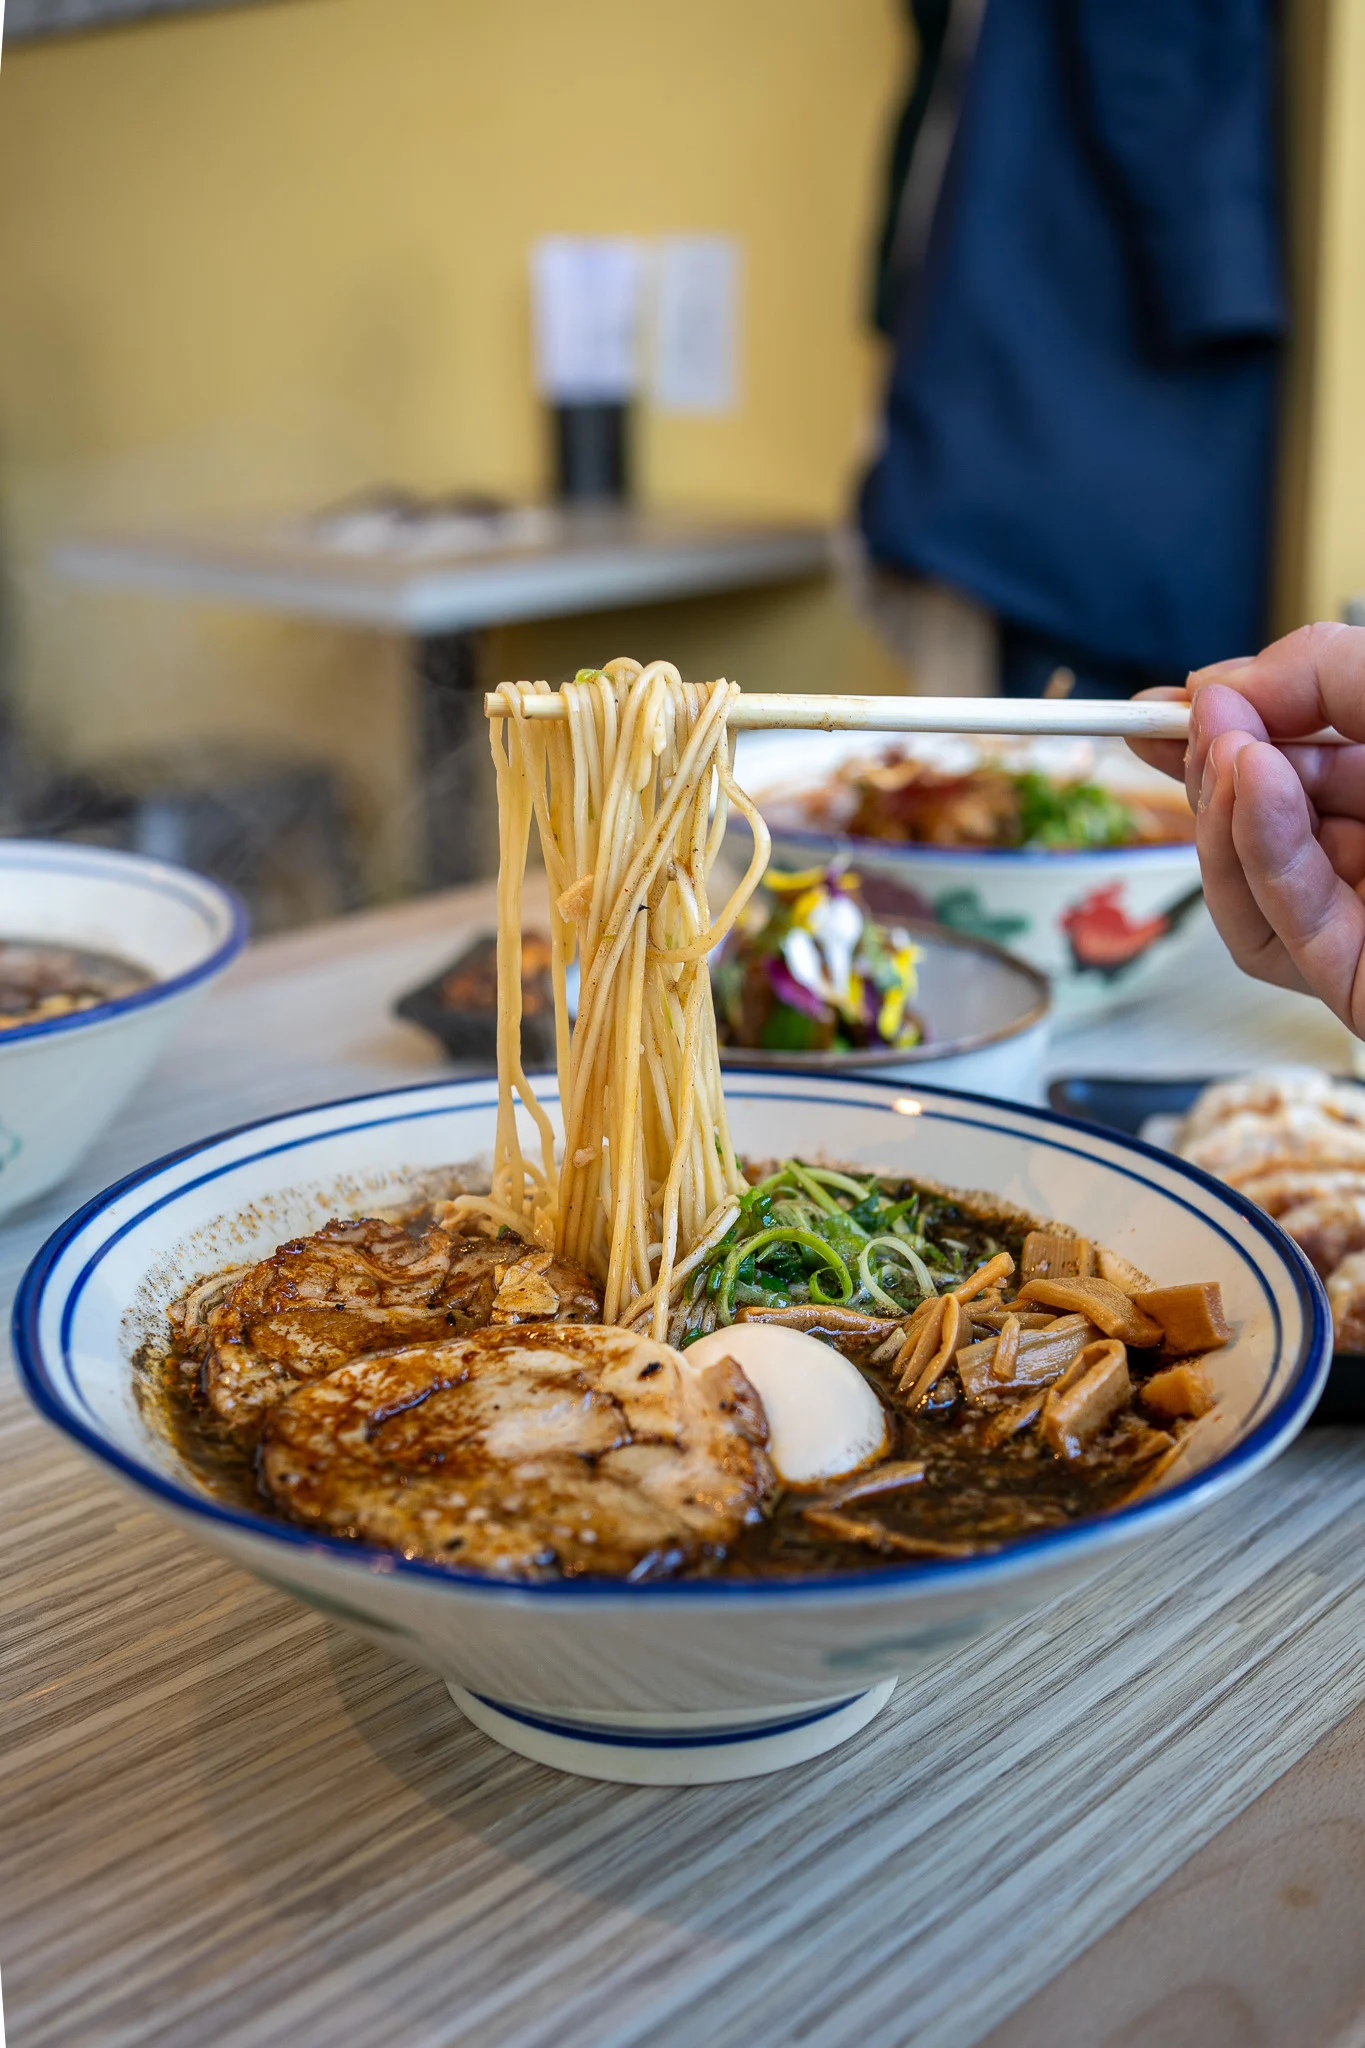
(1232, 672)
(1206, 786)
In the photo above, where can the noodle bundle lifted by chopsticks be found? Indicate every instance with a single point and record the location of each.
(630, 792)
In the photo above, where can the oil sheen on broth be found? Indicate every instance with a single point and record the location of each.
(40, 982)
(923, 1294)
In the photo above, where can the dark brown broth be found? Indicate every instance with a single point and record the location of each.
(169, 1393)
(970, 1494)
(39, 981)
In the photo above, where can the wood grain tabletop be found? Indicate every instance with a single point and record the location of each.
(1256, 1942)
(1137, 1816)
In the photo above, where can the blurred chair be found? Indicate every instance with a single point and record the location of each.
(947, 642)
(276, 831)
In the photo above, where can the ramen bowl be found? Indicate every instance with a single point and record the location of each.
(671, 1681)
(63, 1078)
(1106, 925)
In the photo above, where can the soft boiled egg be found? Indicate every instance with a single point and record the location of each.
(824, 1420)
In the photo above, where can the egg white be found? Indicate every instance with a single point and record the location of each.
(824, 1421)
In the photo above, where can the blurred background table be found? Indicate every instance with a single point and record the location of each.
(1134, 1820)
(443, 570)
(441, 574)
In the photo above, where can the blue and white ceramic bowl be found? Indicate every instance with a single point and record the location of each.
(63, 1079)
(676, 1681)
(1104, 924)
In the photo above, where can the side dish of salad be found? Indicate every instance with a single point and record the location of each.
(809, 969)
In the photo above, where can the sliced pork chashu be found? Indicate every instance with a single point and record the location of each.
(527, 1453)
(354, 1288)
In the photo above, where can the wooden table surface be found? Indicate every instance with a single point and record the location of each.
(1136, 1817)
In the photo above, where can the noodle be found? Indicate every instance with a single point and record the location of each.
(630, 794)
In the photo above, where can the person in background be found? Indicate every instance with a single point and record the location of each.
(1080, 269)
(1280, 824)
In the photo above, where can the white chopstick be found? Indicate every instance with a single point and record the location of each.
(1075, 716)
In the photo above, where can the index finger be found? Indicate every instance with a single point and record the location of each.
(1312, 678)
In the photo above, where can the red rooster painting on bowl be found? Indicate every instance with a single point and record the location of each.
(1106, 940)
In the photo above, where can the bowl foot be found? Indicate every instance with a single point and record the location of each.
(676, 1749)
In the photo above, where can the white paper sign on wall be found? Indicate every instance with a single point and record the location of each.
(696, 338)
(588, 301)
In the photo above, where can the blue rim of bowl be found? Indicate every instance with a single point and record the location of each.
(159, 878)
(1096, 1534)
(920, 849)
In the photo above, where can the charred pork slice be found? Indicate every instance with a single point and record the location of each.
(529, 1453)
(356, 1288)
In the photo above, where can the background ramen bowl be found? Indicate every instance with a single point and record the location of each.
(986, 1017)
(1104, 926)
(62, 1081)
(678, 1681)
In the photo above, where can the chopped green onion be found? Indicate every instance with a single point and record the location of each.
(873, 1287)
(814, 1189)
(814, 1230)
(741, 1253)
(830, 1179)
(924, 1246)
(924, 1279)
(817, 1292)
(842, 1232)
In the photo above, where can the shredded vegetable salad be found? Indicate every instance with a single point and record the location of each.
(809, 969)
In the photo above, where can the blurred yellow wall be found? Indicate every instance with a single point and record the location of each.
(263, 258)
(1322, 556)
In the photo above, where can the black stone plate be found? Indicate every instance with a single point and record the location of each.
(471, 1035)
(1117, 1103)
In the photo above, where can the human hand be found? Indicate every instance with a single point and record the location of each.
(1280, 826)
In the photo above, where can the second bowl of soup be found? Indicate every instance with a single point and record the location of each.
(101, 956)
(1070, 854)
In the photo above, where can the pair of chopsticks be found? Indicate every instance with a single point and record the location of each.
(1077, 717)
